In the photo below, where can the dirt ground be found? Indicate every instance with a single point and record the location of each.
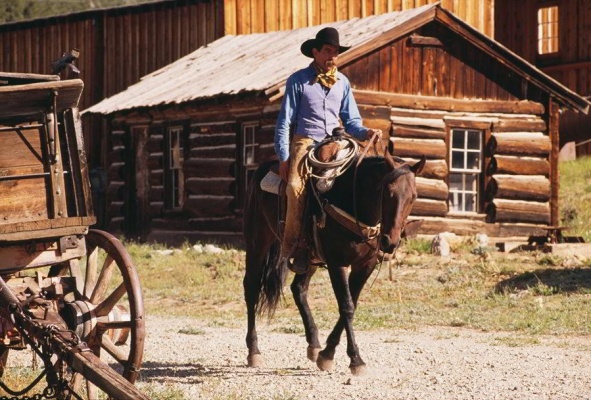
(432, 363)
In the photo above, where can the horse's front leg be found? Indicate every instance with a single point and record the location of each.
(356, 281)
(340, 285)
(299, 289)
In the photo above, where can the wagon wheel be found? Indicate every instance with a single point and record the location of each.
(107, 311)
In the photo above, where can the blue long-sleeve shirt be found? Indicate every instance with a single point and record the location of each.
(314, 111)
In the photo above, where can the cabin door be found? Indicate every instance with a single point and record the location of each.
(138, 211)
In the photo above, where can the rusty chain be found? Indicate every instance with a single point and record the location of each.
(56, 384)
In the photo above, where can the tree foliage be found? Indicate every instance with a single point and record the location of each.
(19, 10)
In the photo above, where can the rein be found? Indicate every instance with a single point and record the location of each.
(352, 223)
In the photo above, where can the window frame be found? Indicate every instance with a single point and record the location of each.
(542, 5)
(174, 196)
(248, 140)
(484, 127)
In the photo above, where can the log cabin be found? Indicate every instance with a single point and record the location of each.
(186, 138)
(119, 45)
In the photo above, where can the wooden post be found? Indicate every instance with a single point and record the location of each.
(553, 131)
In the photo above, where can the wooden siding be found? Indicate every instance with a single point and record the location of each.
(452, 69)
(255, 16)
(516, 24)
(516, 28)
(117, 46)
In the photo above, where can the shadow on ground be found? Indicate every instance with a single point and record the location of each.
(195, 373)
(569, 280)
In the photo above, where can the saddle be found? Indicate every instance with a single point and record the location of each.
(326, 161)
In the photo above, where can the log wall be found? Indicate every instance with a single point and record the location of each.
(516, 186)
(212, 170)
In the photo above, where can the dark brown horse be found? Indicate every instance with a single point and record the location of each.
(378, 193)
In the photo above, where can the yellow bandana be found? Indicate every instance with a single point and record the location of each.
(326, 79)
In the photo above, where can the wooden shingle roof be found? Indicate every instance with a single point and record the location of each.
(262, 62)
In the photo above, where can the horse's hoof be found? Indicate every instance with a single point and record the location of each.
(358, 370)
(255, 361)
(324, 364)
(313, 353)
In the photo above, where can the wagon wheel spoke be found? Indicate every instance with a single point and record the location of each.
(102, 283)
(109, 303)
(76, 382)
(113, 350)
(91, 271)
(91, 390)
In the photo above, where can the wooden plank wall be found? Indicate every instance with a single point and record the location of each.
(433, 71)
(255, 16)
(117, 46)
(515, 27)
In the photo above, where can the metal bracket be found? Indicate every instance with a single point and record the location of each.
(69, 242)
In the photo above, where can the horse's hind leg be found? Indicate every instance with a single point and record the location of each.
(299, 289)
(252, 288)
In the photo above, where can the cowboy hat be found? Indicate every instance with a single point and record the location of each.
(324, 36)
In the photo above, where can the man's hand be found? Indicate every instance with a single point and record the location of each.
(284, 169)
(372, 132)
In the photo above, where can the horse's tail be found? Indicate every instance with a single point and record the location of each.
(272, 281)
(258, 235)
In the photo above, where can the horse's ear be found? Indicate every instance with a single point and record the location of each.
(389, 159)
(418, 167)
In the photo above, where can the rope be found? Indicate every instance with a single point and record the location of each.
(339, 165)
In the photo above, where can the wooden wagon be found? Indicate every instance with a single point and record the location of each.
(69, 293)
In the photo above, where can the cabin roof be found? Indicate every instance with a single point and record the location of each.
(262, 62)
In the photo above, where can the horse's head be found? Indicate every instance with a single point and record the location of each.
(398, 195)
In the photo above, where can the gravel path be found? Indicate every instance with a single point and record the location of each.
(433, 363)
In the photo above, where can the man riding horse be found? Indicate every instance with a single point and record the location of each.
(317, 100)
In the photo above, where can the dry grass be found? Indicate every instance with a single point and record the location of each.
(528, 292)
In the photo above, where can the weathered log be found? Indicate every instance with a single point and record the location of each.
(418, 133)
(500, 210)
(468, 226)
(519, 165)
(432, 188)
(224, 151)
(376, 117)
(156, 177)
(433, 169)
(430, 148)
(116, 172)
(205, 140)
(518, 187)
(434, 123)
(519, 125)
(448, 104)
(209, 206)
(209, 186)
(429, 207)
(534, 144)
(155, 144)
(222, 167)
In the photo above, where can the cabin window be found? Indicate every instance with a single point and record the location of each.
(249, 146)
(548, 27)
(465, 170)
(173, 185)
